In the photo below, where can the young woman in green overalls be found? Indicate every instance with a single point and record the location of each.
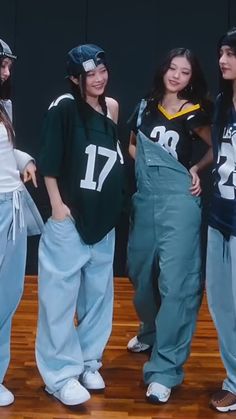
(164, 258)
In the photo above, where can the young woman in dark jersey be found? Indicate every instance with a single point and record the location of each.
(221, 251)
(164, 261)
(82, 165)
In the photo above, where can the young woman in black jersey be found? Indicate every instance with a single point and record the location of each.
(164, 261)
(221, 253)
(81, 162)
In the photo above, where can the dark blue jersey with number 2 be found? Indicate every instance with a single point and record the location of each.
(223, 208)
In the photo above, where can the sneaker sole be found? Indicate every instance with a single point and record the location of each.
(7, 402)
(137, 351)
(226, 408)
(93, 387)
(156, 400)
(72, 402)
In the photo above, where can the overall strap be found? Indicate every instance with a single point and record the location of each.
(142, 106)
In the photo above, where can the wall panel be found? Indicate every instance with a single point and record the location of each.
(45, 31)
(135, 34)
(7, 21)
(232, 13)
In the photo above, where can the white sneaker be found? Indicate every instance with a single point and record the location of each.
(92, 380)
(134, 345)
(71, 393)
(6, 396)
(158, 393)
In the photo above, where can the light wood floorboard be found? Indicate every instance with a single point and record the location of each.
(124, 396)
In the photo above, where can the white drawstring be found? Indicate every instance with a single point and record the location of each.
(17, 206)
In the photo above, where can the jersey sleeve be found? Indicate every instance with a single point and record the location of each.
(197, 119)
(53, 143)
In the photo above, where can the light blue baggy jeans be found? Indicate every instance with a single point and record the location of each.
(73, 278)
(221, 295)
(12, 270)
(19, 217)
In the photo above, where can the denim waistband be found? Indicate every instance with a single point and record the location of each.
(17, 209)
(6, 196)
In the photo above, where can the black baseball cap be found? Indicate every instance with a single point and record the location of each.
(5, 50)
(84, 58)
(228, 39)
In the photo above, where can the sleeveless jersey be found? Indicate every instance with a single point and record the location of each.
(83, 153)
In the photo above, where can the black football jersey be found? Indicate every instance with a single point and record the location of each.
(87, 163)
(174, 132)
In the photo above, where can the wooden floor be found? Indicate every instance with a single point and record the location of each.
(124, 396)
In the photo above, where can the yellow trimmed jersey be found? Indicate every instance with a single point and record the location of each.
(174, 132)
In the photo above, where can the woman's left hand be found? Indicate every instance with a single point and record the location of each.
(196, 183)
(29, 173)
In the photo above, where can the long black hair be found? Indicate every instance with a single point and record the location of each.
(5, 93)
(195, 92)
(79, 93)
(225, 86)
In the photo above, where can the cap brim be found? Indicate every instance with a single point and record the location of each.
(4, 54)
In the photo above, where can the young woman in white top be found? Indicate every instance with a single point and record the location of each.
(17, 211)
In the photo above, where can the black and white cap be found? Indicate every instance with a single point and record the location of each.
(5, 50)
(84, 58)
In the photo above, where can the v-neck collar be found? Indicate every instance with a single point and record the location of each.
(177, 114)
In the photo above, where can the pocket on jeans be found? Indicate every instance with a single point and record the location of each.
(67, 218)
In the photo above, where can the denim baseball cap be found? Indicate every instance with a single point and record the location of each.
(84, 58)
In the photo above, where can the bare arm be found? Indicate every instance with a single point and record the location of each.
(205, 134)
(113, 108)
(132, 144)
(59, 209)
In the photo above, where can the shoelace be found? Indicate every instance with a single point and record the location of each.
(90, 372)
(72, 384)
(158, 393)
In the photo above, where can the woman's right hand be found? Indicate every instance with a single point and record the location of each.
(29, 173)
(195, 189)
(60, 212)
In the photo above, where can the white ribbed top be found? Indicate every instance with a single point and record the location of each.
(9, 173)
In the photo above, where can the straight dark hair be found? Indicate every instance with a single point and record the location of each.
(195, 92)
(225, 86)
(5, 93)
(79, 93)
